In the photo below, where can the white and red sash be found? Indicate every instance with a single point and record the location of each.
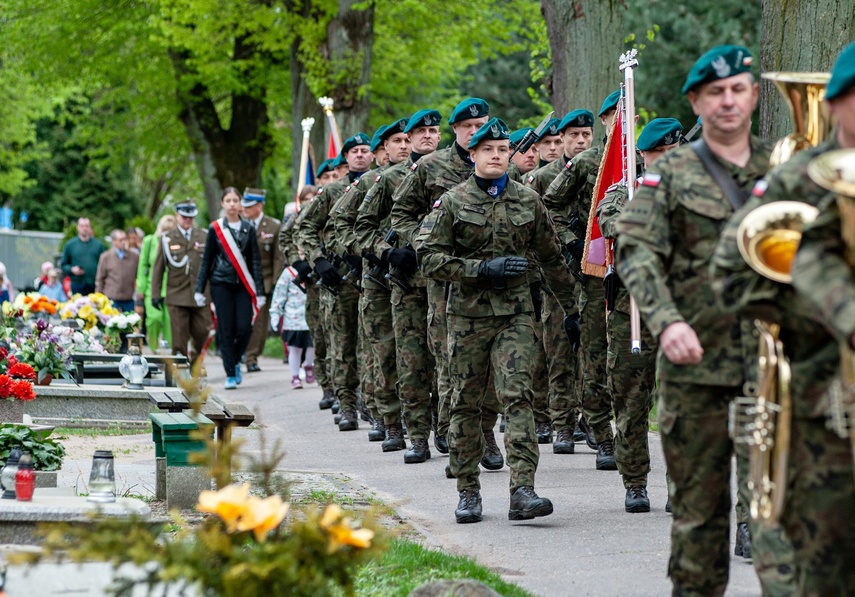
(239, 263)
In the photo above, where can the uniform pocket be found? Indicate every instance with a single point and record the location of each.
(471, 230)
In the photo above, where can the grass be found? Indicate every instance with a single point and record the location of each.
(407, 565)
(99, 431)
(273, 348)
(653, 419)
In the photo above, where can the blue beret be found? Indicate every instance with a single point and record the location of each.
(578, 118)
(377, 139)
(384, 132)
(494, 130)
(354, 141)
(658, 132)
(551, 129)
(610, 103)
(339, 160)
(252, 196)
(423, 118)
(843, 74)
(719, 63)
(518, 135)
(473, 107)
(326, 166)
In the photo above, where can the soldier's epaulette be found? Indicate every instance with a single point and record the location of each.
(760, 188)
(651, 180)
(414, 166)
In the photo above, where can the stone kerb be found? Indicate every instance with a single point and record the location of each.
(69, 405)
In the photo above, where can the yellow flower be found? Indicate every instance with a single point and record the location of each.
(262, 516)
(229, 503)
(342, 533)
(85, 312)
(331, 515)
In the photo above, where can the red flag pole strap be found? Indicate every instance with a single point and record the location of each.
(239, 263)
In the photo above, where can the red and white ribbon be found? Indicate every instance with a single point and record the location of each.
(239, 263)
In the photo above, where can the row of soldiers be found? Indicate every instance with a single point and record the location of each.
(441, 289)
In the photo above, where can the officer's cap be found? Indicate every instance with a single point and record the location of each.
(252, 196)
(577, 118)
(494, 130)
(473, 107)
(719, 63)
(551, 129)
(843, 74)
(610, 103)
(423, 118)
(187, 209)
(518, 135)
(354, 141)
(658, 132)
(326, 166)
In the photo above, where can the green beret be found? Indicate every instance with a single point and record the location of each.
(473, 107)
(552, 129)
(326, 166)
(518, 135)
(843, 74)
(423, 118)
(610, 103)
(494, 130)
(377, 139)
(339, 160)
(354, 141)
(578, 118)
(658, 132)
(719, 63)
(384, 132)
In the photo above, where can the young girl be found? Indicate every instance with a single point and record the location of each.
(289, 301)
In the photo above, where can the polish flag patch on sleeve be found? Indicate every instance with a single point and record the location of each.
(760, 188)
(651, 180)
(414, 166)
(377, 179)
(437, 203)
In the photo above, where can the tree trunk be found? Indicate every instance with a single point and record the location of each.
(586, 39)
(798, 36)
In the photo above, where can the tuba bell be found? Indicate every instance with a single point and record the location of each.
(768, 238)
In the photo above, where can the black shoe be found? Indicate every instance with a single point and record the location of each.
(440, 443)
(668, 505)
(418, 452)
(362, 409)
(448, 474)
(526, 504)
(469, 507)
(563, 443)
(606, 456)
(394, 439)
(336, 407)
(492, 460)
(328, 400)
(544, 433)
(589, 433)
(743, 541)
(378, 431)
(337, 418)
(636, 499)
(502, 425)
(578, 433)
(253, 368)
(349, 421)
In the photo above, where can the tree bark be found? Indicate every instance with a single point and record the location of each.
(798, 36)
(586, 39)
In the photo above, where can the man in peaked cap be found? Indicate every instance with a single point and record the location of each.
(666, 235)
(490, 313)
(527, 161)
(272, 263)
(548, 144)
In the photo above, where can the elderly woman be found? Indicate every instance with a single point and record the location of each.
(156, 319)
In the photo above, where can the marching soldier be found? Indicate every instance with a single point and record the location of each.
(548, 144)
(272, 263)
(576, 133)
(180, 254)
(526, 162)
(326, 173)
(475, 239)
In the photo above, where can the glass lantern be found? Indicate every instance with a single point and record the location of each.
(102, 479)
(133, 366)
(7, 475)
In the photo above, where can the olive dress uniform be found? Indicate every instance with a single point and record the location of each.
(272, 263)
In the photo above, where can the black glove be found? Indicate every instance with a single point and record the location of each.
(502, 267)
(402, 259)
(573, 329)
(576, 248)
(329, 275)
(157, 303)
(304, 270)
(353, 261)
(372, 258)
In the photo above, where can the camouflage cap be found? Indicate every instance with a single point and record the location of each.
(518, 135)
(577, 118)
(326, 166)
(843, 74)
(494, 130)
(551, 129)
(423, 118)
(473, 107)
(719, 63)
(610, 103)
(658, 132)
(355, 141)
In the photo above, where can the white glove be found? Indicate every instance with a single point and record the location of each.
(199, 298)
(260, 301)
(274, 324)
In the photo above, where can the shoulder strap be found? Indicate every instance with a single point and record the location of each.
(735, 195)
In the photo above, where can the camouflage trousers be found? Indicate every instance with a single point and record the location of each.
(319, 341)
(379, 332)
(539, 377)
(562, 366)
(344, 340)
(596, 398)
(415, 363)
(365, 362)
(477, 348)
(631, 380)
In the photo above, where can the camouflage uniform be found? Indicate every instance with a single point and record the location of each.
(819, 512)
(666, 238)
(490, 330)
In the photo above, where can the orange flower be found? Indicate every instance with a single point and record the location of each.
(262, 516)
(341, 530)
(228, 503)
(28, 300)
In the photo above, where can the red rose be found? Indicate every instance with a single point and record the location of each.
(23, 390)
(22, 371)
(3, 353)
(12, 361)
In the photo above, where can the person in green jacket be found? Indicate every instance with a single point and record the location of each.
(156, 320)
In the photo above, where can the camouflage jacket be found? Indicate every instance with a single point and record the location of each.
(287, 245)
(313, 230)
(468, 226)
(374, 214)
(343, 212)
(666, 237)
(568, 196)
(540, 179)
(608, 212)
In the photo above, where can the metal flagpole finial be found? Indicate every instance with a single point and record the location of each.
(327, 104)
(629, 59)
(307, 124)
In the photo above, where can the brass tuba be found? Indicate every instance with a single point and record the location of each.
(768, 238)
(835, 171)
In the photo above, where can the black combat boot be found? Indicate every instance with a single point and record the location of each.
(492, 460)
(743, 541)
(328, 400)
(362, 408)
(502, 424)
(440, 443)
(394, 439)
(349, 421)
(337, 418)
(378, 431)
(448, 474)
(418, 452)
(606, 456)
(336, 407)
(636, 499)
(668, 505)
(564, 443)
(469, 507)
(526, 504)
(589, 433)
(544, 433)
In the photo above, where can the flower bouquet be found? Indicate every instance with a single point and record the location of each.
(73, 340)
(44, 352)
(117, 328)
(16, 379)
(90, 311)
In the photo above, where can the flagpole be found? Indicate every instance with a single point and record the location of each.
(327, 105)
(307, 124)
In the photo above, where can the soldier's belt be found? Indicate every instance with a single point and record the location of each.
(498, 284)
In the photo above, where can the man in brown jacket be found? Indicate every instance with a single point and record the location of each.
(272, 263)
(116, 276)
